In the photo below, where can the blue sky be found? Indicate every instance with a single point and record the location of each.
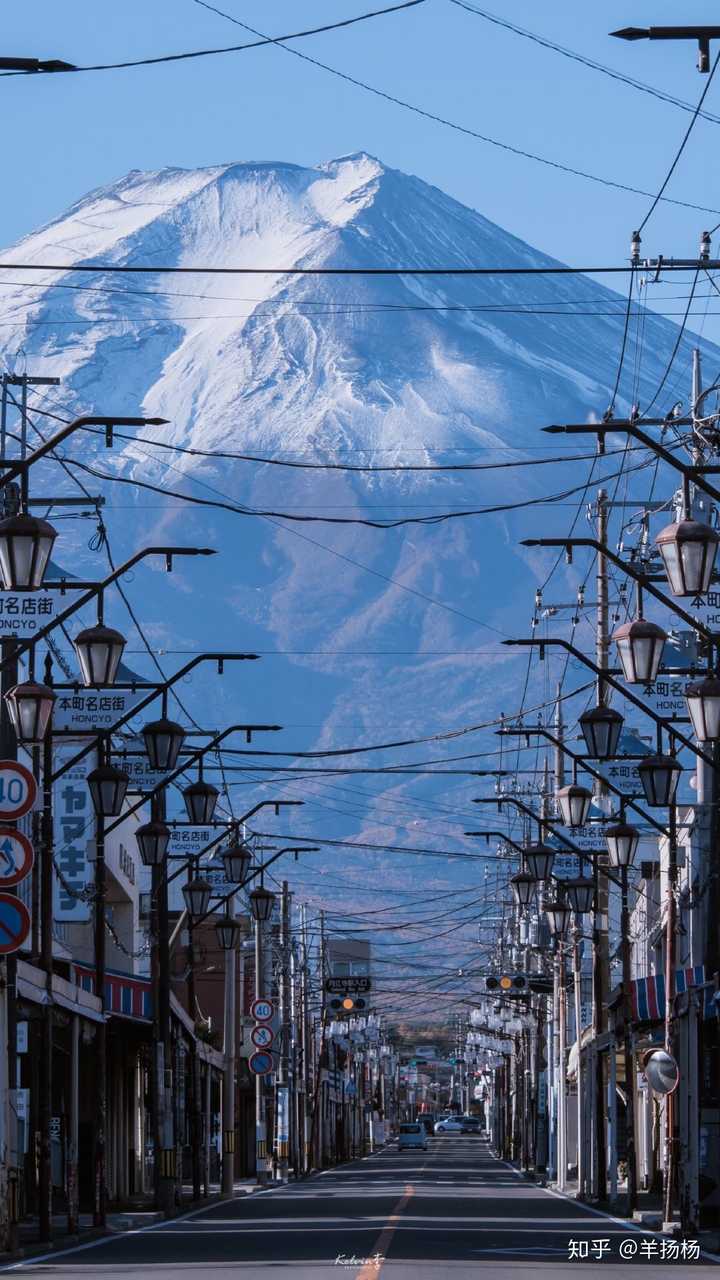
(69, 134)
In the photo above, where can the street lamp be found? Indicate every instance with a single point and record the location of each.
(581, 894)
(153, 839)
(262, 902)
(539, 859)
(163, 740)
(659, 776)
(236, 860)
(197, 894)
(640, 648)
(703, 700)
(558, 916)
(688, 549)
(99, 650)
(30, 707)
(108, 788)
(523, 886)
(200, 800)
(574, 802)
(25, 546)
(622, 841)
(228, 931)
(601, 728)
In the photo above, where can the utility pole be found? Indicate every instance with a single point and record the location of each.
(600, 961)
(165, 1159)
(306, 1044)
(230, 1050)
(282, 1110)
(260, 1123)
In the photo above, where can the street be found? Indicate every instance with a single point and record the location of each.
(412, 1214)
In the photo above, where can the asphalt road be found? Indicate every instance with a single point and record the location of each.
(453, 1211)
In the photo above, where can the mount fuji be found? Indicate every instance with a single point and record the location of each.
(368, 635)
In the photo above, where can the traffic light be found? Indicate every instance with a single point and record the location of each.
(508, 984)
(347, 1004)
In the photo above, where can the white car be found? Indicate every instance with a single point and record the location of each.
(452, 1124)
(412, 1135)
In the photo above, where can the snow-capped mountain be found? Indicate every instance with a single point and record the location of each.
(365, 370)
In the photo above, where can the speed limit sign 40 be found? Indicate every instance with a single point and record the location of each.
(18, 790)
(262, 1010)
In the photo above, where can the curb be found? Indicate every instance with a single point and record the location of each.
(59, 1243)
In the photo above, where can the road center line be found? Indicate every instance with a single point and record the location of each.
(371, 1269)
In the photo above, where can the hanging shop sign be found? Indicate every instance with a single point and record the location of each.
(74, 831)
(22, 614)
(88, 710)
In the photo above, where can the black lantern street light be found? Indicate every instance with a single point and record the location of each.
(640, 648)
(237, 859)
(30, 708)
(574, 802)
(163, 742)
(558, 916)
(25, 547)
(539, 860)
(228, 931)
(523, 886)
(688, 549)
(581, 894)
(197, 894)
(200, 801)
(153, 839)
(99, 650)
(703, 700)
(601, 727)
(108, 788)
(622, 842)
(262, 902)
(659, 776)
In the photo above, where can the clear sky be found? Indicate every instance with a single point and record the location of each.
(67, 134)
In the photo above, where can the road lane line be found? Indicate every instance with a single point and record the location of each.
(371, 1269)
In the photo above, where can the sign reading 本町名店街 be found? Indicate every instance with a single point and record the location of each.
(74, 828)
(22, 614)
(88, 710)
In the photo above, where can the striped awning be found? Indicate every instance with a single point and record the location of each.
(648, 994)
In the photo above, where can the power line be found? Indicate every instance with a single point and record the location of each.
(235, 48)
(450, 124)
(586, 62)
(680, 149)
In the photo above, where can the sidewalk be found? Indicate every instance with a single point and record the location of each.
(118, 1221)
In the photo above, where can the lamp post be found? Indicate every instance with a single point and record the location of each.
(262, 902)
(228, 934)
(581, 894)
(622, 842)
(558, 915)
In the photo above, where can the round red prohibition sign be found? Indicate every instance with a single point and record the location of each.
(18, 789)
(16, 857)
(14, 923)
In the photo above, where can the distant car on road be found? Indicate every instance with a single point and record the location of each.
(412, 1135)
(470, 1124)
(451, 1124)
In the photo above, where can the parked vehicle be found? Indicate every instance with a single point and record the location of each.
(411, 1135)
(470, 1124)
(452, 1124)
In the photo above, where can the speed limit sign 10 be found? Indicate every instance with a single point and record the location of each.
(18, 790)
